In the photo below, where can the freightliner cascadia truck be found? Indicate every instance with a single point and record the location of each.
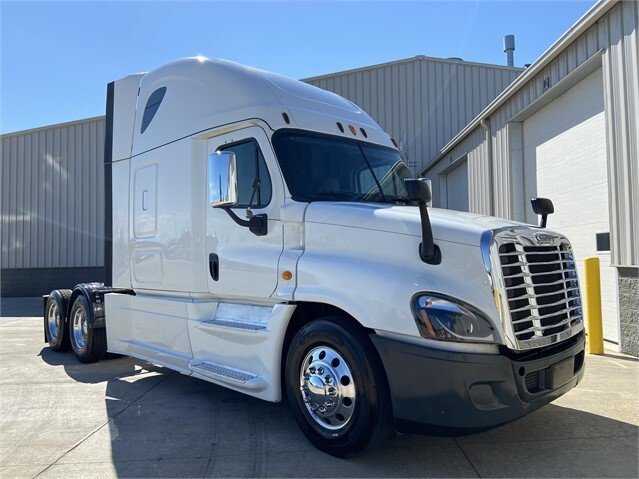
(266, 235)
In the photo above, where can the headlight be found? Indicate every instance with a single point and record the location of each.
(448, 319)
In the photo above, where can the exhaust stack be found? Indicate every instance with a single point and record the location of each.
(509, 48)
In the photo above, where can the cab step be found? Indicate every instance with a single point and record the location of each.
(226, 375)
(229, 324)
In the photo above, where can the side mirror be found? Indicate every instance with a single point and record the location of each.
(543, 207)
(418, 190)
(222, 179)
(223, 191)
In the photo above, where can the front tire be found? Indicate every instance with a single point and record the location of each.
(88, 343)
(336, 386)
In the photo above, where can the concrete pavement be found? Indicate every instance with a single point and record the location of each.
(125, 418)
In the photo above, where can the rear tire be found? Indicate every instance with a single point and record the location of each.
(89, 344)
(55, 319)
(337, 388)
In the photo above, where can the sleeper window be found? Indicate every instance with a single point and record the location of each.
(151, 108)
(250, 165)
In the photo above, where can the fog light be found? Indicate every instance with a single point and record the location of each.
(482, 395)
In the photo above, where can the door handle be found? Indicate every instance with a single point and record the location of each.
(214, 266)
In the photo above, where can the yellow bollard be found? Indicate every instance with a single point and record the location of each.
(592, 306)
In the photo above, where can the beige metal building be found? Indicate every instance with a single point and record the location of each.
(422, 101)
(52, 199)
(566, 129)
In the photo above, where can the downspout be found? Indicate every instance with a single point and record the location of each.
(485, 123)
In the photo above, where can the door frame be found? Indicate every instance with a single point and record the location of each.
(272, 242)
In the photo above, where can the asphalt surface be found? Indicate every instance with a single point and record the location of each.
(126, 418)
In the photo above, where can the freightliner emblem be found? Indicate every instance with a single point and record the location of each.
(544, 238)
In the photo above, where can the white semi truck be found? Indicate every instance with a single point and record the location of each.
(265, 235)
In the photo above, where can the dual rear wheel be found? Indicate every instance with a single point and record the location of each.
(88, 343)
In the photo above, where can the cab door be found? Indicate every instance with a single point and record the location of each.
(241, 264)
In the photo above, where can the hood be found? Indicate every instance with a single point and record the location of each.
(448, 225)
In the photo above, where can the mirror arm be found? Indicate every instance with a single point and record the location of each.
(418, 190)
(429, 252)
(543, 221)
(234, 217)
(257, 224)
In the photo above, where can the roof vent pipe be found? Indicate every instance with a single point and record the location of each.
(509, 48)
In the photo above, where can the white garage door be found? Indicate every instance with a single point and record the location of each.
(565, 160)
(457, 188)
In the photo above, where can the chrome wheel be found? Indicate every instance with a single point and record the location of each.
(327, 387)
(79, 329)
(53, 321)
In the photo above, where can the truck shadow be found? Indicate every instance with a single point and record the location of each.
(621, 357)
(163, 424)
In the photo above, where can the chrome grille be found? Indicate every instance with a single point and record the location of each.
(538, 287)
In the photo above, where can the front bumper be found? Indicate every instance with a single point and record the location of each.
(471, 391)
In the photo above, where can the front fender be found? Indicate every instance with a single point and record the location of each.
(373, 275)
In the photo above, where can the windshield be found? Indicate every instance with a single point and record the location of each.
(327, 168)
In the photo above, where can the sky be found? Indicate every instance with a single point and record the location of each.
(57, 57)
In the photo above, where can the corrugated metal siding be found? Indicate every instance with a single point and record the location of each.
(621, 95)
(52, 199)
(421, 102)
(615, 34)
(471, 147)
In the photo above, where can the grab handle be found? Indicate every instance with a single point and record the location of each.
(214, 266)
